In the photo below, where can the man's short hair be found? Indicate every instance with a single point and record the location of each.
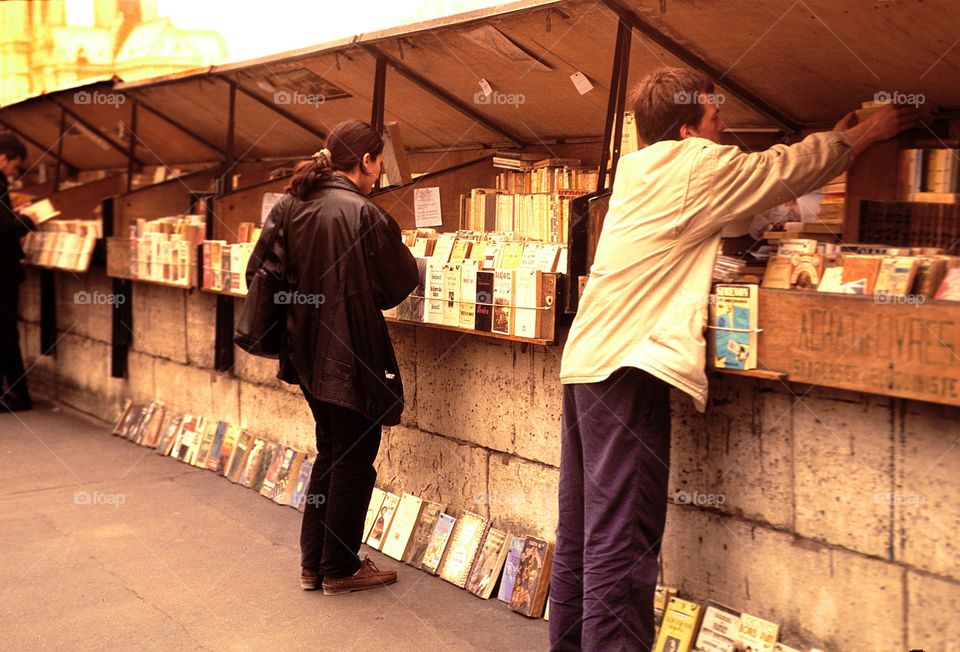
(11, 146)
(667, 99)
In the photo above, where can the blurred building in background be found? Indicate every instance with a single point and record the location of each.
(40, 51)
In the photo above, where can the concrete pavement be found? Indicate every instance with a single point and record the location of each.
(107, 545)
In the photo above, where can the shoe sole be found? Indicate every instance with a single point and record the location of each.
(308, 586)
(330, 591)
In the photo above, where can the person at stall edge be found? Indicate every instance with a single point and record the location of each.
(638, 333)
(14, 395)
(343, 261)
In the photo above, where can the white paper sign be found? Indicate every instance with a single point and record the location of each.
(486, 88)
(581, 82)
(426, 207)
(269, 199)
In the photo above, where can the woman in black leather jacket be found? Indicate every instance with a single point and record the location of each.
(344, 262)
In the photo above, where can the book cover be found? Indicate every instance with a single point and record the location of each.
(807, 271)
(287, 479)
(861, 268)
(510, 566)
(661, 598)
(896, 275)
(420, 538)
(533, 577)
(531, 254)
(797, 246)
(118, 424)
(213, 458)
(461, 250)
(778, 274)
(949, 289)
(484, 307)
(270, 452)
(488, 563)
(719, 629)
(438, 543)
(451, 294)
(546, 260)
(253, 463)
(382, 523)
(464, 543)
(282, 459)
(373, 510)
(150, 430)
(832, 280)
(401, 528)
(734, 322)
(527, 315)
(411, 309)
(757, 634)
(679, 625)
(240, 457)
(189, 441)
(227, 449)
(443, 248)
(433, 311)
(503, 297)
(930, 273)
(511, 255)
(206, 443)
(169, 435)
(298, 498)
(468, 294)
(131, 421)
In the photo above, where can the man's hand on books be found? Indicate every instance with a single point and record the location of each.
(887, 122)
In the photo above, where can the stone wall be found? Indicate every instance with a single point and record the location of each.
(832, 513)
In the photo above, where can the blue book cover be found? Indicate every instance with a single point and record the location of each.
(510, 569)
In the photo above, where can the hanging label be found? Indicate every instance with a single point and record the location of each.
(581, 82)
(486, 88)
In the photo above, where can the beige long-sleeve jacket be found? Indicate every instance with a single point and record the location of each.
(645, 304)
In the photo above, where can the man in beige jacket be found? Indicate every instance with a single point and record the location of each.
(639, 331)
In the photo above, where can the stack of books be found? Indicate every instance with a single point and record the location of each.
(63, 244)
(165, 249)
(225, 265)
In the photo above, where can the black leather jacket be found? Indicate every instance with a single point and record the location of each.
(344, 261)
(12, 228)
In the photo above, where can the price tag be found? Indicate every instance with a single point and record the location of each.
(581, 82)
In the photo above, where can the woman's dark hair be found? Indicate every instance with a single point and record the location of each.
(346, 144)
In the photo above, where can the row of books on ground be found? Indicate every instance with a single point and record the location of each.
(224, 265)
(687, 626)
(515, 302)
(888, 271)
(165, 249)
(63, 244)
(539, 216)
(279, 473)
(467, 551)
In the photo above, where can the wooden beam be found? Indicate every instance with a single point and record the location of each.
(285, 114)
(783, 121)
(440, 93)
(99, 134)
(33, 141)
(180, 127)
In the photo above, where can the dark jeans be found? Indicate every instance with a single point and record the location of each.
(339, 492)
(614, 465)
(12, 374)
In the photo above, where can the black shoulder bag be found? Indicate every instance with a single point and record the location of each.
(261, 327)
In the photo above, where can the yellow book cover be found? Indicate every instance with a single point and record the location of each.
(512, 255)
(757, 634)
(373, 510)
(405, 518)
(678, 627)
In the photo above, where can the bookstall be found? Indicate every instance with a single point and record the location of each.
(822, 470)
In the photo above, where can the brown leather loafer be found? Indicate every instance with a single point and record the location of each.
(310, 580)
(368, 577)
